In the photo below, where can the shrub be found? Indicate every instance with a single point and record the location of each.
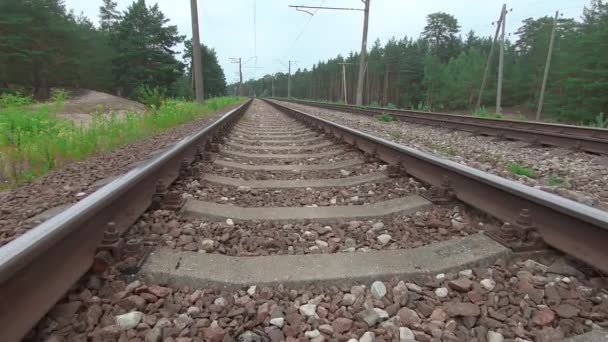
(520, 170)
(151, 97)
(481, 112)
(385, 117)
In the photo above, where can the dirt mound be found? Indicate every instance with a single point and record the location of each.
(83, 103)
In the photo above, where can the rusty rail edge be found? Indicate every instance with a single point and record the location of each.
(574, 228)
(588, 139)
(38, 267)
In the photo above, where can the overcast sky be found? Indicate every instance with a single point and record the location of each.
(228, 25)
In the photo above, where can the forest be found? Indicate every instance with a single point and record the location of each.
(441, 70)
(43, 45)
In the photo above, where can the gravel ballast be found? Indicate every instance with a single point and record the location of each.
(579, 176)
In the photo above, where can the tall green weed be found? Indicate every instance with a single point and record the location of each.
(33, 140)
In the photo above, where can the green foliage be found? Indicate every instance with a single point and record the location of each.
(214, 80)
(554, 180)
(482, 112)
(152, 97)
(33, 140)
(43, 45)
(59, 95)
(384, 117)
(600, 121)
(520, 170)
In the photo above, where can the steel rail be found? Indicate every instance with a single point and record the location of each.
(574, 228)
(588, 139)
(38, 267)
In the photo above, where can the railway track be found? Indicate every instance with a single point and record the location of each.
(301, 208)
(593, 140)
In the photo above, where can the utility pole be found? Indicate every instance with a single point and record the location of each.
(239, 61)
(197, 55)
(363, 55)
(385, 89)
(547, 65)
(345, 91)
(289, 80)
(361, 79)
(485, 73)
(501, 61)
(272, 80)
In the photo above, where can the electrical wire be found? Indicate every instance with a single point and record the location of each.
(303, 29)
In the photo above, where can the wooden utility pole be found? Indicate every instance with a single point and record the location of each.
(289, 80)
(344, 88)
(490, 56)
(547, 65)
(501, 61)
(363, 55)
(196, 54)
(272, 80)
(385, 89)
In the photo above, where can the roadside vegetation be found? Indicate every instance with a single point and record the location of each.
(33, 140)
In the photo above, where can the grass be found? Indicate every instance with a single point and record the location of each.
(481, 112)
(33, 140)
(443, 149)
(385, 117)
(520, 170)
(554, 180)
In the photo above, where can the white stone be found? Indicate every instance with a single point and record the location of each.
(354, 199)
(378, 289)
(384, 239)
(344, 173)
(207, 245)
(224, 198)
(308, 310)
(466, 273)
(220, 301)
(80, 194)
(488, 284)
(278, 322)
(251, 290)
(406, 335)
(566, 280)
(440, 276)
(348, 299)
(441, 292)
(494, 336)
(377, 226)
(413, 287)
(229, 222)
(333, 200)
(383, 314)
(321, 244)
(312, 333)
(244, 188)
(194, 310)
(367, 337)
(129, 320)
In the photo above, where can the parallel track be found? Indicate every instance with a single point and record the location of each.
(594, 140)
(59, 251)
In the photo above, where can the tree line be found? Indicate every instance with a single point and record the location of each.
(43, 45)
(442, 70)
